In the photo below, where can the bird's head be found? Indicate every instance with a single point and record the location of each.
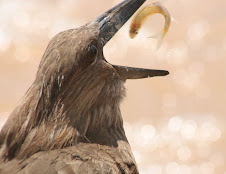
(75, 50)
(75, 71)
(79, 84)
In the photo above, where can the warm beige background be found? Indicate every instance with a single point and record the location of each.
(175, 124)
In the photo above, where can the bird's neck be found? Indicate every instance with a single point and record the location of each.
(105, 126)
(87, 113)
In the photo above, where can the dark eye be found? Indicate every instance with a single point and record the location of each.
(92, 50)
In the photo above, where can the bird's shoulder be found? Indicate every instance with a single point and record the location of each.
(81, 158)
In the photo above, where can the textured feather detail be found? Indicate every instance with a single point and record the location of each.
(79, 159)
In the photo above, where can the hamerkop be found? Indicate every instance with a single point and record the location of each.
(69, 120)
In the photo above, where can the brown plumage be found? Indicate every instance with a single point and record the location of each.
(69, 120)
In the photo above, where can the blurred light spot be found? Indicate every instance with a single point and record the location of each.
(184, 169)
(188, 129)
(184, 153)
(175, 124)
(209, 132)
(166, 135)
(22, 20)
(5, 40)
(198, 30)
(136, 137)
(157, 142)
(143, 172)
(172, 168)
(207, 168)
(195, 169)
(155, 169)
(147, 133)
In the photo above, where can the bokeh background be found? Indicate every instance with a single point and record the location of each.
(175, 124)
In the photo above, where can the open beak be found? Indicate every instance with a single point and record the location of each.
(110, 22)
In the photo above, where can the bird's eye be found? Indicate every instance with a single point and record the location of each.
(92, 50)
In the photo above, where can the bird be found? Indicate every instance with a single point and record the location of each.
(69, 120)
